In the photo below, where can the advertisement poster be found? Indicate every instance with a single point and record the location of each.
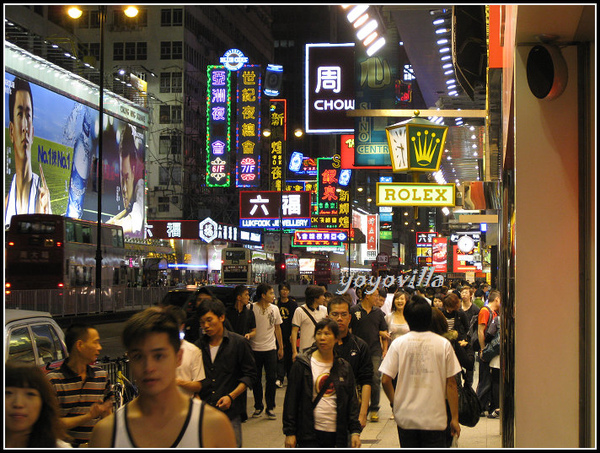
(51, 155)
(440, 254)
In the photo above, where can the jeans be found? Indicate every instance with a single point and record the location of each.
(284, 365)
(268, 359)
(376, 387)
(322, 439)
(236, 424)
(421, 438)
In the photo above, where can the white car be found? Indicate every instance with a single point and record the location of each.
(33, 337)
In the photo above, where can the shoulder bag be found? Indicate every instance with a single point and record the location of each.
(309, 315)
(469, 409)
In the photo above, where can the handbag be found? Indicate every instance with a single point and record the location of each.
(469, 409)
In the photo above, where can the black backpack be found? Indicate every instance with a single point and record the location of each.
(474, 326)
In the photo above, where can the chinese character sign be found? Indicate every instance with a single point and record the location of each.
(265, 209)
(277, 112)
(329, 88)
(248, 126)
(372, 236)
(218, 107)
(327, 195)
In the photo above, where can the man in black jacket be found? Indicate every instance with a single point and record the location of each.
(354, 350)
(229, 371)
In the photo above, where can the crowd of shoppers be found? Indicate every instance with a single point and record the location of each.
(335, 355)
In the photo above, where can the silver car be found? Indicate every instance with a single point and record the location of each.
(33, 337)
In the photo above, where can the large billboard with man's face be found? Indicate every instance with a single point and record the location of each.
(51, 157)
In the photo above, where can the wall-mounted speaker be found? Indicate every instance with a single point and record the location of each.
(547, 73)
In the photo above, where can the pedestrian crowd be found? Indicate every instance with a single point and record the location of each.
(337, 353)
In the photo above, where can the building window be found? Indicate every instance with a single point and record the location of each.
(165, 50)
(165, 17)
(171, 50)
(142, 50)
(171, 17)
(164, 144)
(163, 176)
(130, 50)
(177, 53)
(177, 17)
(176, 114)
(165, 114)
(176, 82)
(170, 144)
(118, 51)
(171, 82)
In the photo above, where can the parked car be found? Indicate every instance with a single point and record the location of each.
(186, 297)
(33, 337)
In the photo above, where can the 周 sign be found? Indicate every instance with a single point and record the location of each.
(329, 88)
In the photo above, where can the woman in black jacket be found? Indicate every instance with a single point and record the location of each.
(321, 405)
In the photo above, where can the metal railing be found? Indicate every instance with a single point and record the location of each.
(83, 301)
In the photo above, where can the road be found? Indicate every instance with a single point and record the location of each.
(110, 339)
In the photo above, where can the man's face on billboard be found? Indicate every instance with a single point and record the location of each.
(127, 180)
(21, 129)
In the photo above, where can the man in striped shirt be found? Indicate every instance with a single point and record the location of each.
(82, 388)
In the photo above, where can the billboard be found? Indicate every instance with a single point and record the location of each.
(207, 230)
(375, 79)
(51, 151)
(329, 88)
(264, 209)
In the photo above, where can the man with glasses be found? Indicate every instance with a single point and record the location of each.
(353, 349)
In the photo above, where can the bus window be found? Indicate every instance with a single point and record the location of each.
(69, 231)
(86, 232)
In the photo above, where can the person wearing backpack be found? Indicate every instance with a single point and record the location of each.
(485, 318)
(472, 312)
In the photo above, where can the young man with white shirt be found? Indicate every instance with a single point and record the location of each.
(267, 346)
(306, 317)
(425, 365)
(190, 373)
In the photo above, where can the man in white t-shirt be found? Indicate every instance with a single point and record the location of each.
(190, 373)
(306, 317)
(425, 365)
(267, 346)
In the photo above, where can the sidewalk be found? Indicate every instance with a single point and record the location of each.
(264, 433)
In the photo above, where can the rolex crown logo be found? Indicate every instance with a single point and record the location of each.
(425, 147)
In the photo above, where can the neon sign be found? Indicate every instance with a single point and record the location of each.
(218, 115)
(278, 112)
(248, 127)
(329, 88)
(233, 59)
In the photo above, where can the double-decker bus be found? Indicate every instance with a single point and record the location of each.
(287, 268)
(236, 265)
(322, 274)
(48, 251)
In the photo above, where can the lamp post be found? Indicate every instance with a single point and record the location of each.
(75, 12)
(102, 19)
